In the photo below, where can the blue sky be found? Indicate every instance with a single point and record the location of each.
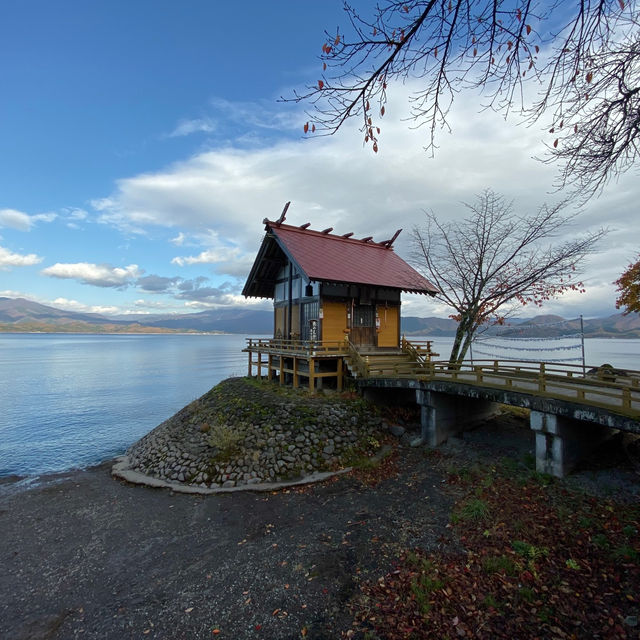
(143, 143)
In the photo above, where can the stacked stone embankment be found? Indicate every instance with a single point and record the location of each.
(243, 432)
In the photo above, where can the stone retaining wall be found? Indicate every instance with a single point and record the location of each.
(272, 435)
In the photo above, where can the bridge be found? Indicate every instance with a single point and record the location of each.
(572, 409)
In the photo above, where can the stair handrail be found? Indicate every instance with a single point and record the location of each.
(360, 364)
(413, 351)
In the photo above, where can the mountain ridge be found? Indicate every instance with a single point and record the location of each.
(19, 315)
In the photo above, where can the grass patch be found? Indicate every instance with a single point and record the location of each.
(601, 541)
(625, 553)
(474, 509)
(500, 564)
(490, 602)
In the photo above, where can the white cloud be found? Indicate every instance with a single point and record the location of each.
(98, 275)
(21, 221)
(198, 125)
(44, 217)
(228, 258)
(74, 305)
(228, 300)
(76, 214)
(335, 182)
(10, 259)
(15, 219)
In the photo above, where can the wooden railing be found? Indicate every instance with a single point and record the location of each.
(620, 393)
(315, 348)
(420, 350)
(358, 362)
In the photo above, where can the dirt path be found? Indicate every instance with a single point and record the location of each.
(91, 557)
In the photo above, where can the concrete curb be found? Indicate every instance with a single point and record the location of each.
(122, 471)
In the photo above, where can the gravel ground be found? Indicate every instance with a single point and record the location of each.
(87, 556)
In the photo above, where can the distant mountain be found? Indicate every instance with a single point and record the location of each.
(615, 326)
(20, 310)
(232, 320)
(543, 326)
(19, 316)
(415, 326)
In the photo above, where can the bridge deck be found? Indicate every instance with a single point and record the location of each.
(612, 402)
(617, 392)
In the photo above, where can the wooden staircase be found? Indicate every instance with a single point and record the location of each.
(377, 363)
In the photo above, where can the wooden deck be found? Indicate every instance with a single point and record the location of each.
(299, 361)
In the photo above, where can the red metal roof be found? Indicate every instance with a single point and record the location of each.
(334, 258)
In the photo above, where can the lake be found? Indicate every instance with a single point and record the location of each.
(71, 401)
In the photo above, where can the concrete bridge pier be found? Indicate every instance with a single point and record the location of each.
(561, 442)
(443, 415)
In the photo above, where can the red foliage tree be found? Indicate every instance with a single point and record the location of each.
(628, 287)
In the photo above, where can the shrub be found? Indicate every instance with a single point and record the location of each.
(226, 440)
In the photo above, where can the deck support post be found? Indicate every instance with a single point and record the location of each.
(562, 442)
(312, 377)
(443, 415)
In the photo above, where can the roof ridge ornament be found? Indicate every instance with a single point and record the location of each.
(388, 243)
(283, 215)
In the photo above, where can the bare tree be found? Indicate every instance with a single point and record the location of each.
(495, 260)
(582, 56)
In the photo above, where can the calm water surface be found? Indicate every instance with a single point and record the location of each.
(70, 401)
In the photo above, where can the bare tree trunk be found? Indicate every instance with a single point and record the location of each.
(461, 341)
(457, 342)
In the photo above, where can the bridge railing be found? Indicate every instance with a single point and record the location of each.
(620, 391)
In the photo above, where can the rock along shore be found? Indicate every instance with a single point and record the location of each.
(247, 433)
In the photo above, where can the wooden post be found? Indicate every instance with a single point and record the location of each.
(312, 371)
(249, 372)
(626, 398)
(339, 372)
(269, 368)
(259, 365)
(295, 372)
(541, 380)
(281, 370)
